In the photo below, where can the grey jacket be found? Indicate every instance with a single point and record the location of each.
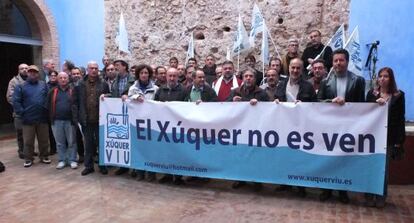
(355, 88)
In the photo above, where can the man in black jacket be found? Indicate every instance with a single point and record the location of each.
(90, 89)
(250, 92)
(171, 91)
(200, 91)
(314, 48)
(342, 86)
(295, 88)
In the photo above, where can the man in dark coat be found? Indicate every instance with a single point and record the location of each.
(342, 86)
(199, 91)
(171, 91)
(90, 89)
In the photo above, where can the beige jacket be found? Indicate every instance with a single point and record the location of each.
(12, 85)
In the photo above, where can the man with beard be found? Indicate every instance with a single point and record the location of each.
(295, 89)
(250, 61)
(314, 48)
(319, 73)
(209, 69)
(342, 86)
(250, 92)
(18, 125)
(272, 80)
(187, 80)
(120, 86)
(228, 81)
(171, 91)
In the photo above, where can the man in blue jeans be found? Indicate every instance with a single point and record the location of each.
(63, 110)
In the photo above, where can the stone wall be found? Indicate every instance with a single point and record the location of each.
(160, 29)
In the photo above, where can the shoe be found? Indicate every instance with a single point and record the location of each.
(73, 165)
(165, 179)
(87, 171)
(192, 179)
(380, 202)
(46, 161)
(27, 163)
(257, 187)
(103, 170)
(61, 165)
(140, 175)
(151, 177)
(178, 181)
(121, 171)
(301, 192)
(325, 195)
(283, 188)
(343, 197)
(238, 184)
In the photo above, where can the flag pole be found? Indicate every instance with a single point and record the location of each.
(273, 42)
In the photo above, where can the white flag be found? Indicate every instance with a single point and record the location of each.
(257, 24)
(265, 45)
(242, 39)
(354, 49)
(122, 36)
(190, 51)
(338, 39)
(228, 54)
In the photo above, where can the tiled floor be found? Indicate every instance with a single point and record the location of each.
(43, 194)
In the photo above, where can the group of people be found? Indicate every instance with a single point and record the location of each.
(67, 102)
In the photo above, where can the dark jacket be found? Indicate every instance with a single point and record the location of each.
(396, 117)
(115, 91)
(311, 52)
(246, 95)
(210, 73)
(101, 87)
(29, 102)
(355, 88)
(207, 94)
(73, 99)
(164, 93)
(306, 92)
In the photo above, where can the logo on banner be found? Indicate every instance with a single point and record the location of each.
(117, 143)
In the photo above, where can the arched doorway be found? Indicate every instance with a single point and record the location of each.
(27, 35)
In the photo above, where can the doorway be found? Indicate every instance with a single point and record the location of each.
(12, 56)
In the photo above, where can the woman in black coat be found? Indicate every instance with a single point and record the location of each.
(387, 93)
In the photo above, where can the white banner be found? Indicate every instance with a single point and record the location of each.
(306, 144)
